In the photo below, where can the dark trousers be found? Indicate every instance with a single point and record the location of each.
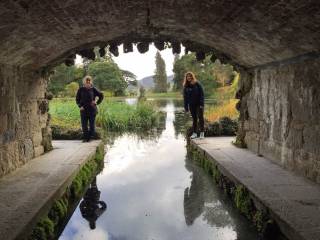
(88, 117)
(197, 113)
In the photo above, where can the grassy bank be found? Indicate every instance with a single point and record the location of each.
(112, 116)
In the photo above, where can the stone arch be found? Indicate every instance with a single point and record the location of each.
(275, 43)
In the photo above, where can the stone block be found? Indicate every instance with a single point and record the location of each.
(311, 138)
(26, 149)
(39, 150)
(37, 138)
(3, 123)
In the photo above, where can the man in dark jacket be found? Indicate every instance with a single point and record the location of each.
(193, 96)
(86, 100)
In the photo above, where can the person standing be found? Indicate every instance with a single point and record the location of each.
(193, 96)
(86, 100)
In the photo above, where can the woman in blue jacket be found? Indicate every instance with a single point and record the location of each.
(194, 102)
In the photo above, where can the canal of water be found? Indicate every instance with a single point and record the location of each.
(151, 190)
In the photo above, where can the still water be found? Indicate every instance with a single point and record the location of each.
(153, 191)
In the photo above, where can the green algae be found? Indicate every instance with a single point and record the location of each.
(47, 227)
(243, 201)
(238, 193)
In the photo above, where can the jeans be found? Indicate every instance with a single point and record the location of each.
(197, 113)
(88, 116)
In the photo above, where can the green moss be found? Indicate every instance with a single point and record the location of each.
(243, 201)
(260, 219)
(239, 142)
(48, 225)
(239, 193)
(43, 230)
(216, 173)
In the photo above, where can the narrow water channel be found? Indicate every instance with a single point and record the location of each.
(153, 191)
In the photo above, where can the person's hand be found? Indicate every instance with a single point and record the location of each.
(201, 107)
(93, 103)
(81, 108)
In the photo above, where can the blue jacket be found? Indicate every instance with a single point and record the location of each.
(193, 96)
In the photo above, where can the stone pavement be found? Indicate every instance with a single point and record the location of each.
(293, 201)
(27, 193)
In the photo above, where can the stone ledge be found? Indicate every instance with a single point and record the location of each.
(27, 193)
(292, 201)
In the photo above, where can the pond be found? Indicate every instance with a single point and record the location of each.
(153, 191)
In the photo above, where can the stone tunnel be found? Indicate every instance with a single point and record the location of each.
(273, 44)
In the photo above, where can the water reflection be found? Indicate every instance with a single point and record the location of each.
(203, 199)
(154, 192)
(91, 207)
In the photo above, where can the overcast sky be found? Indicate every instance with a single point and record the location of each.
(142, 65)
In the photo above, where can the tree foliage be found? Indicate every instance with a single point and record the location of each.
(62, 76)
(71, 89)
(107, 76)
(209, 74)
(160, 76)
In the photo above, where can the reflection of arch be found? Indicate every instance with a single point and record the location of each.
(91, 207)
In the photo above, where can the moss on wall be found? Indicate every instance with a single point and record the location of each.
(239, 194)
(48, 226)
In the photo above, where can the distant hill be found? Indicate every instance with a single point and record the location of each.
(148, 83)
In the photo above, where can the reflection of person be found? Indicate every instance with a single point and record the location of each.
(193, 200)
(90, 207)
(86, 100)
(194, 102)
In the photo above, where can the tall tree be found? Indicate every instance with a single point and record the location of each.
(203, 71)
(62, 76)
(160, 76)
(108, 76)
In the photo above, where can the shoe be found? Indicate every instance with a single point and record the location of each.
(194, 135)
(201, 135)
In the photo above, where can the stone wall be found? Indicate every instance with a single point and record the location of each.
(280, 115)
(24, 129)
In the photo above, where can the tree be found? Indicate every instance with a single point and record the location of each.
(160, 77)
(108, 76)
(71, 89)
(62, 76)
(223, 72)
(129, 77)
(204, 72)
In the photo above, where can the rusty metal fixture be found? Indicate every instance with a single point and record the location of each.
(200, 56)
(159, 44)
(113, 48)
(143, 47)
(176, 47)
(102, 51)
(127, 47)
